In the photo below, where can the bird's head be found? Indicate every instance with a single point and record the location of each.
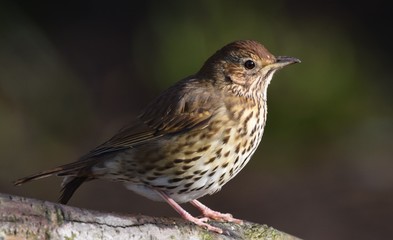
(246, 65)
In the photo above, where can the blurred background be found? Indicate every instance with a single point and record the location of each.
(73, 73)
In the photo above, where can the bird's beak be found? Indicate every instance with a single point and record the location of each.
(282, 61)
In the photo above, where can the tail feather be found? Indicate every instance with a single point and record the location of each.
(71, 169)
(70, 187)
(40, 175)
(75, 173)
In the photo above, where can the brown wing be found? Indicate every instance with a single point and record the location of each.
(186, 106)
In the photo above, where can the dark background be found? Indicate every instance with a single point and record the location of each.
(72, 73)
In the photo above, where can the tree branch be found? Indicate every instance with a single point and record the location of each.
(23, 218)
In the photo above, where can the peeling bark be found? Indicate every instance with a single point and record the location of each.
(23, 218)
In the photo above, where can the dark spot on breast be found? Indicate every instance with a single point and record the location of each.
(254, 129)
(197, 172)
(237, 150)
(236, 160)
(197, 189)
(179, 172)
(151, 178)
(203, 173)
(227, 154)
(218, 152)
(211, 174)
(225, 139)
(203, 149)
(197, 178)
(188, 185)
(190, 136)
(245, 161)
(249, 148)
(192, 159)
(171, 187)
(225, 165)
(188, 152)
(222, 177)
(182, 191)
(248, 119)
(166, 166)
(211, 134)
(178, 160)
(186, 167)
(188, 177)
(175, 180)
(210, 160)
(252, 142)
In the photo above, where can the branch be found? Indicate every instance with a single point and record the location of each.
(24, 218)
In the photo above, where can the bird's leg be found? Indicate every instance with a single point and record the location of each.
(207, 212)
(185, 215)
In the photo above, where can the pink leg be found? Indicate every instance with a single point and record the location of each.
(186, 215)
(207, 212)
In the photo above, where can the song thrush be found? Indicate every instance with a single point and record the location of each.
(192, 139)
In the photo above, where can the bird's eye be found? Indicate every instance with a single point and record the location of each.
(249, 64)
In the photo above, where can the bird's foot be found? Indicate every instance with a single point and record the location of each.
(214, 215)
(185, 215)
(223, 217)
(202, 222)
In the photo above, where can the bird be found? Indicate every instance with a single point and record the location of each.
(190, 140)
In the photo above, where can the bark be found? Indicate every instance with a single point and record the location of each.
(23, 218)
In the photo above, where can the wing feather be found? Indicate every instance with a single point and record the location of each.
(185, 106)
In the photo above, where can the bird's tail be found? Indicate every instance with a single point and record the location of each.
(71, 169)
(70, 185)
(76, 173)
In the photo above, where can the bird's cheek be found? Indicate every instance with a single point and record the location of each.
(239, 78)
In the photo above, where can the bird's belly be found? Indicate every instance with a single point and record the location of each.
(189, 166)
(195, 168)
